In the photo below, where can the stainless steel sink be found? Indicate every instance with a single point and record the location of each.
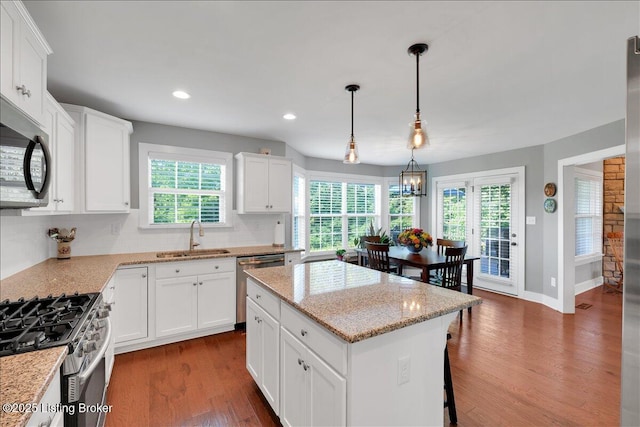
(193, 253)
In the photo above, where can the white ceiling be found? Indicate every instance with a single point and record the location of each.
(497, 76)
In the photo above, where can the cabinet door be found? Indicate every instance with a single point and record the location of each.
(293, 396)
(9, 28)
(327, 394)
(256, 184)
(254, 341)
(32, 74)
(279, 185)
(270, 355)
(176, 305)
(106, 165)
(216, 299)
(64, 162)
(129, 314)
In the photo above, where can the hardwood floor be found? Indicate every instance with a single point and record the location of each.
(514, 363)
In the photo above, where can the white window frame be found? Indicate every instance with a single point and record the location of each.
(596, 176)
(345, 179)
(298, 171)
(184, 154)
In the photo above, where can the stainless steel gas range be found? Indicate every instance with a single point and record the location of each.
(79, 321)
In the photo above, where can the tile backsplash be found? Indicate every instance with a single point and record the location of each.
(24, 243)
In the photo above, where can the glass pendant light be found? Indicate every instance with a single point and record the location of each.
(351, 153)
(418, 137)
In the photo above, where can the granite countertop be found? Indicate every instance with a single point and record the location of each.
(24, 377)
(356, 303)
(84, 274)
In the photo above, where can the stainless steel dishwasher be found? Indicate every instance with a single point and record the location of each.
(249, 263)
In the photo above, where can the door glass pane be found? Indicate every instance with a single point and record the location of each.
(454, 210)
(495, 216)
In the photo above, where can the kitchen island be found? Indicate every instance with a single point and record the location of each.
(331, 343)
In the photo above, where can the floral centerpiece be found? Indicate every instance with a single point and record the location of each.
(415, 239)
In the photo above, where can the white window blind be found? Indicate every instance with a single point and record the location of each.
(340, 212)
(494, 216)
(588, 213)
(180, 187)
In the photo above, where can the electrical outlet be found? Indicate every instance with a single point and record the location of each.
(404, 369)
(531, 220)
(553, 282)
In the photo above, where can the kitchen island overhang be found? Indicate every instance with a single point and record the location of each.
(392, 332)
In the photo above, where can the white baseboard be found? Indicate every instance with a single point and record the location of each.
(127, 347)
(541, 299)
(589, 284)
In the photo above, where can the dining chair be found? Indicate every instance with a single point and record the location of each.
(450, 275)
(442, 244)
(378, 254)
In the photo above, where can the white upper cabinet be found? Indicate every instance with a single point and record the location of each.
(23, 72)
(60, 128)
(102, 161)
(263, 184)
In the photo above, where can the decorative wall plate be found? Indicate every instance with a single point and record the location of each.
(550, 189)
(550, 205)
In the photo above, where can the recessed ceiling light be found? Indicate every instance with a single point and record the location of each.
(289, 116)
(181, 94)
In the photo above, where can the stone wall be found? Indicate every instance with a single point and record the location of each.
(613, 218)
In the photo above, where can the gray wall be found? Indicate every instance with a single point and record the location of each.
(606, 136)
(541, 163)
(153, 133)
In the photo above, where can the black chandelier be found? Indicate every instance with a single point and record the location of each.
(413, 180)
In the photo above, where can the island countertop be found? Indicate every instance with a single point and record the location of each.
(356, 303)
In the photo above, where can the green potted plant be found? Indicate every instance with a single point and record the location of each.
(340, 254)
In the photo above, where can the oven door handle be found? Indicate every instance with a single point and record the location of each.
(260, 262)
(84, 376)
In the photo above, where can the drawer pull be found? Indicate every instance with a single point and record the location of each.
(303, 332)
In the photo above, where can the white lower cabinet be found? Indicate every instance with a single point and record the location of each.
(263, 344)
(51, 400)
(313, 394)
(194, 295)
(129, 313)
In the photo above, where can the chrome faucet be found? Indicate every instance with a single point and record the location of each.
(193, 244)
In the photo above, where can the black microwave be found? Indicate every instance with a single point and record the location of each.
(25, 162)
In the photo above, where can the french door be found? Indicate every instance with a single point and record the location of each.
(485, 212)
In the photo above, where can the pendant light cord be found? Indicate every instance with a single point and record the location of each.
(417, 83)
(352, 114)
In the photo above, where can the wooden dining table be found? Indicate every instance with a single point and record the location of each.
(426, 260)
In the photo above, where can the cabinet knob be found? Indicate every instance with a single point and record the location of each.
(126, 203)
(144, 275)
(305, 366)
(270, 206)
(217, 267)
(200, 283)
(177, 270)
(195, 284)
(266, 206)
(300, 361)
(61, 200)
(258, 296)
(303, 332)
